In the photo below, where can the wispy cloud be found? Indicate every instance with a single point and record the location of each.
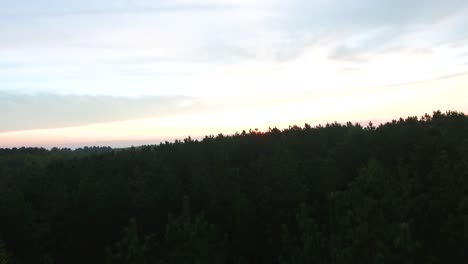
(23, 112)
(86, 12)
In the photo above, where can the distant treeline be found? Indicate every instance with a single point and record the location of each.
(338, 193)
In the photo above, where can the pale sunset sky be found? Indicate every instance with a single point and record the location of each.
(132, 72)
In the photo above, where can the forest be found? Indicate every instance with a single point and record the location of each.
(333, 193)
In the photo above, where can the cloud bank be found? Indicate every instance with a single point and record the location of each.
(23, 112)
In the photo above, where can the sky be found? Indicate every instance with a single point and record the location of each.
(132, 72)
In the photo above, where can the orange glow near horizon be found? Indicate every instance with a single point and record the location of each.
(381, 104)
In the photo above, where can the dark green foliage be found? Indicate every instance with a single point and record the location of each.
(396, 193)
(190, 240)
(4, 255)
(310, 244)
(186, 240)
(130, 249)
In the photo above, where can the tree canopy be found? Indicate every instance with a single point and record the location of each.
(337, 193)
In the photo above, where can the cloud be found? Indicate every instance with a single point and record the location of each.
(225, 31)
(89, 12)
(23, 112)
(371, 14)
(362, 29)
(183, 46)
